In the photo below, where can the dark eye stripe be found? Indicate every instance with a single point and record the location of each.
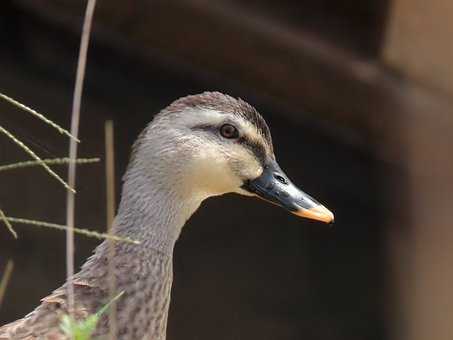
(255, 147)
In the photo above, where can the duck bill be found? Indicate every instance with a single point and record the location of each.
(274, 186)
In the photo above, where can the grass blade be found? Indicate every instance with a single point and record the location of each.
(83, 330)
(110, 185)
(36, 157)
(48, 161)
(38, 115)
(5, 279)
(75, 117)
(85, 232)
(7, 223)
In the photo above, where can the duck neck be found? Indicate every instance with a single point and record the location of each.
(153, 211)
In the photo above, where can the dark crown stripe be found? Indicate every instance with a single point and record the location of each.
(224, 103)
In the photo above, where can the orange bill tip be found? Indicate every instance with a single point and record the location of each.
(318, 213)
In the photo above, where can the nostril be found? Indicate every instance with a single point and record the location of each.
(280, 178)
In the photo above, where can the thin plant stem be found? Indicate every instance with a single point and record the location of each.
(38, 115)
(5, 279)
(110, 185)
(36, 157)
(110, 172)
(75, 117)
(108, 305)
(7, 223)
(84, 232)
(48, 161)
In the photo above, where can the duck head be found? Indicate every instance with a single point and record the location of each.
(215, 144)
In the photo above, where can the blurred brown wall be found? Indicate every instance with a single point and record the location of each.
(419, 47)
(256, 272)
(372, 115)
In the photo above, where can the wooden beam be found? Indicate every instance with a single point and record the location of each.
(419, 47)
(404, 121)
(293, 69)
(418, 42)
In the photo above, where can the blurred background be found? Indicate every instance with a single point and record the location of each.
(358, 95)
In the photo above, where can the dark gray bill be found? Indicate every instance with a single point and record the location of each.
(274, 186)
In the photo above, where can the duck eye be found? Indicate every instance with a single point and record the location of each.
(229, 131)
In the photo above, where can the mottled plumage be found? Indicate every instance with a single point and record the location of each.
(146, 279)
(153, 210)
(174, 167)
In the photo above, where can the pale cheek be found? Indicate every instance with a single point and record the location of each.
(211, 174)
(254, 170)
(250, 172)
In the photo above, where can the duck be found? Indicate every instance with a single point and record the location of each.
(200, 146)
